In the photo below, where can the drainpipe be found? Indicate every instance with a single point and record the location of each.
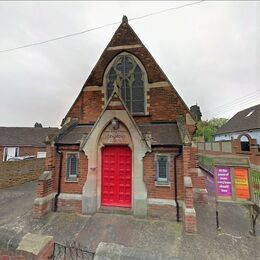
(59, 181)
(175, 184)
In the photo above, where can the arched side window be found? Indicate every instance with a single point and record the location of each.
(245, 144)
(129, 79)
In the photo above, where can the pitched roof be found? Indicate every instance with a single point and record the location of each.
(74, 135)
(126, 36)
(162, 134)
(248, 119)
(25, 136)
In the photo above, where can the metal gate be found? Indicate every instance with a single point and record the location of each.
(71, 251)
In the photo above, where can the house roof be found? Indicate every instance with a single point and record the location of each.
(25, 136)
(74, 134)
(248, 119)
(162, 134)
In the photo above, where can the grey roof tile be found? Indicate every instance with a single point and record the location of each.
(25, 136)
(162, 134)
(242, 121)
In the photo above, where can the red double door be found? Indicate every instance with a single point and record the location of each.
(116, 186)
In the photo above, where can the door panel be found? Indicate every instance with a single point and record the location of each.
(116, 184)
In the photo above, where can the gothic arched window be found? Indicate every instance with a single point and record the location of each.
(129, 78)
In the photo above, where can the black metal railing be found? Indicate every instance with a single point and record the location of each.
(255, 182)
(72, 250)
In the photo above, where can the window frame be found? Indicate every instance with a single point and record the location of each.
(68, 176)
(6, 149)
(244, 144)
(138, 63)
(158, 179)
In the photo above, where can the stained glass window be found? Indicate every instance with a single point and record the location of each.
(129, 79)
(162, 168)
(72, 166)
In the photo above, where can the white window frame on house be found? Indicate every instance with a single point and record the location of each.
(5, 155)
(69, 176)
(244, 143)
(167, 167)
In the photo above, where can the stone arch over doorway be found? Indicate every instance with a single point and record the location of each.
(113, 137)
(91, 146)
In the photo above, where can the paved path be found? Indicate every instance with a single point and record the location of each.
(16, 201)
(148, 234)
(16, 218)
(165, 237)
(232, 242)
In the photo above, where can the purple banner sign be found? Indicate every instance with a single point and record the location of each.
(223, 181)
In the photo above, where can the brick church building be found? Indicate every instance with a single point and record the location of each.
(125, 144)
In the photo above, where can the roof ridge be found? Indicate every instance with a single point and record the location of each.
(29, 127)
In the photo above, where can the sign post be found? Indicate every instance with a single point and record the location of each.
(223, 187)
(241, 183)
(232, 182)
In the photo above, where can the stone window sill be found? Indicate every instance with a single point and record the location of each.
(71, 180)
(162, 184)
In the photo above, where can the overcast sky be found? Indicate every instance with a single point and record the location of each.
(209, 51)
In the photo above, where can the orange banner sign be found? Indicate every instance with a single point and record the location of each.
(241, 182)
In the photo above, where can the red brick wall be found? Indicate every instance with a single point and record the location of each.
(150, 175)
(253, 155)
(71, 186)
(45, 253)
(88, 107)
(197, 181)
(24, 151)
(14, 173)
(5, 255)
(41, 210)
(166, 212)
(70, 205)
(165, 103)
(92, 106)
(164, 106)
(44, 188)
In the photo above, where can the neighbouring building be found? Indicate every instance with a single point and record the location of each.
(245, 122)
(125, 144)
(24, 141)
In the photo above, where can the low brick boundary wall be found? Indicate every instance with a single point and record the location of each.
(18, 172)
(31, 246)
(45, 197)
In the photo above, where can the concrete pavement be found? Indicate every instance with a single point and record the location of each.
(16, 218)
(150, 235)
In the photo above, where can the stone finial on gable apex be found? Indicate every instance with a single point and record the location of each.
(124, 19)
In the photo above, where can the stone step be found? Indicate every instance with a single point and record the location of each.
(115, 210)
